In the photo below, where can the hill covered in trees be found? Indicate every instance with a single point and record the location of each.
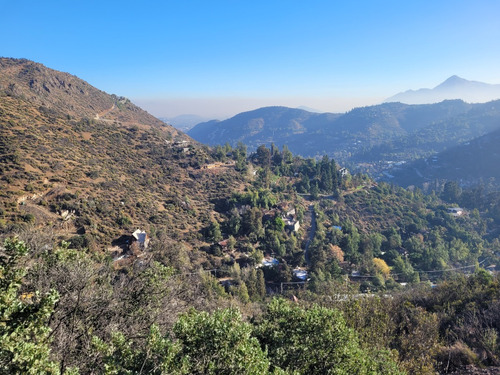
(470, 164)
(370, 139)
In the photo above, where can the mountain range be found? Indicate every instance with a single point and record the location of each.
(453, 88)
(84, 174)
(67, 147)
(369, 136)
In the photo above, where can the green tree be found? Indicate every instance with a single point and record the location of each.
(263, 156)
(220, 343)
(314, 190)
(404, 270)
(451, 192)
(234, 222)
(231, 242)
(261, 284)
(316, 341)
(350, 243)
(243, 293)
(278, 224)
(24, 330)
(214, 233)
(157, 356)
(287, 155)
(252, 220)
(241, 157)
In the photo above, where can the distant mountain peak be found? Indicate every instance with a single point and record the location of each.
(453, 81)
(454, 87)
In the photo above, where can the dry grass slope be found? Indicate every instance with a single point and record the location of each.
(81, 161)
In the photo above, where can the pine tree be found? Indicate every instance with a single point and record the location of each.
(261, 284)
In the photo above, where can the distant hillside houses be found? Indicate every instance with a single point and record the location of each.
(456, 211)
(343, 172)
(300, 274)
(291, 222)
(292, 225)
(269, 261)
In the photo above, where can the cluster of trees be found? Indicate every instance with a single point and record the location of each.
(238, 154)
(255, 226)
(310, 176)
(83, 321)
(433, 330)
(69, 311)
(66, 311)
(390, 234)
(319, 177)
(382, 227)
(480, 197)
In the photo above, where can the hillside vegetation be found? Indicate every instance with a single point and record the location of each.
(371, 278)
(66, 168)
(369, 140)
(472, 163)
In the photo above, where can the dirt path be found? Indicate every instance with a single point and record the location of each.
(99, 116)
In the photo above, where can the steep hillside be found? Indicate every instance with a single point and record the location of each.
(68, 95)
(80, 161)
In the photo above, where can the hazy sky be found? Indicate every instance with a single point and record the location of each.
(217, 58)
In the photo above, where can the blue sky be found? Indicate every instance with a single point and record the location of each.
(217, 58)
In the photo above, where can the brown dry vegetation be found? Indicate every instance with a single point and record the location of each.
(124, 170)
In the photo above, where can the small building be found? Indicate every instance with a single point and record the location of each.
(141, 238)
(270, 262)
(291, 222)
(355, 273)
(223, 244)
(491, 269)
(292, 225)
(343, 172)
(181, 143)
(300, 274)
(456, 211)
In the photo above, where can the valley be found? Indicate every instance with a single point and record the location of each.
(128, 245)
(373, 140)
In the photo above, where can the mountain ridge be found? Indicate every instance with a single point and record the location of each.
(310, 134)
(453, 87)
(95, 166)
